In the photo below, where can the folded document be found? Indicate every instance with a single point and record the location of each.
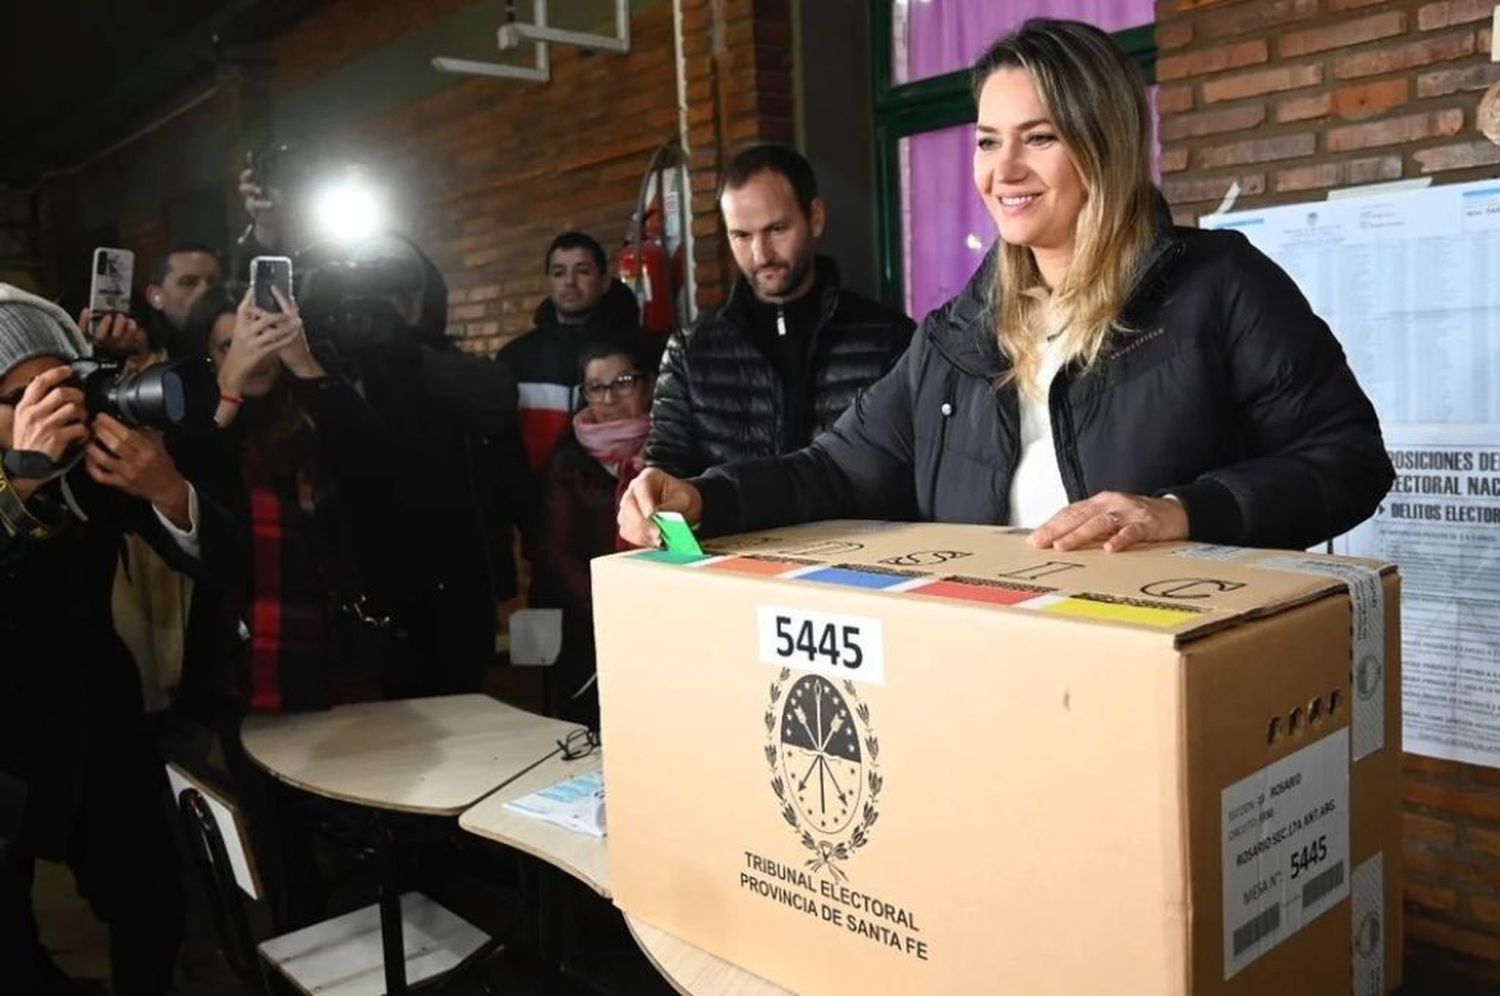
(576, 803)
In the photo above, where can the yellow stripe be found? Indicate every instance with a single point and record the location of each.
(1118, 612)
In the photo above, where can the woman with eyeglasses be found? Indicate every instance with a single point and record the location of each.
(592, 465)
(1106, 378)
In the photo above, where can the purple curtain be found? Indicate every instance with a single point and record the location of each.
(933, 37)
(946, 229)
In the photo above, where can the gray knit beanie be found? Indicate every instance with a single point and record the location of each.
(31, 326)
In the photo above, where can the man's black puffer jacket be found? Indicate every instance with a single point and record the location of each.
(1228, 392)
(719, 399)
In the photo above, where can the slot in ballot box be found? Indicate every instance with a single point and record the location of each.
(861, 757)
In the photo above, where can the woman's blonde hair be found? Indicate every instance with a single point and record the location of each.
(1096, 99)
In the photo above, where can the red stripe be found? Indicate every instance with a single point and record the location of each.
(541, 430)
(265, 611)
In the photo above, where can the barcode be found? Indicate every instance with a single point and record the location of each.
(1262, 926)
(1322, 884)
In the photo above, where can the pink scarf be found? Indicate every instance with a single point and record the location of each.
(619, 445)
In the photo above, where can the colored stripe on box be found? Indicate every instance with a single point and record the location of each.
(671, 557)
(1122, 612)
(759, 568)
(992, 594)
(855, 579)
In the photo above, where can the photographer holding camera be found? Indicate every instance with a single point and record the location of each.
(288, 619)
(74, 746)
(381, 309)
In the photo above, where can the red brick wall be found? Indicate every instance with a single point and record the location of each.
(345, 29)
(141, 218)
(490, 170)
(486, 171)
(737, 63)
(1291, 98)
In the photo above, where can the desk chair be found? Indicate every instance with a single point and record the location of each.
(341, 956)
(205, 815)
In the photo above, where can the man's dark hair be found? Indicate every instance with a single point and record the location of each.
(576, 240)
(643, 348)
(776, 158)
(163, 262)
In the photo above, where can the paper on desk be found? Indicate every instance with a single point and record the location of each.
(576, 803)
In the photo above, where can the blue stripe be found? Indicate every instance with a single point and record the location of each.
(854, 579)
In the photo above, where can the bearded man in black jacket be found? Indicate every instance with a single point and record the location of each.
(791, 348)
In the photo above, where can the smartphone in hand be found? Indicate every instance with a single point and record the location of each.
(267, 272)
(109, 285)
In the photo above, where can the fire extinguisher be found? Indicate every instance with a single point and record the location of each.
(644, 270)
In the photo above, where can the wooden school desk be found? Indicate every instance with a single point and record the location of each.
(690, 970)
(433, 756)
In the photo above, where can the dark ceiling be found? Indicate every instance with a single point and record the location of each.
(78, 75)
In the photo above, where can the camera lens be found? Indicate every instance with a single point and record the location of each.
(177, 395)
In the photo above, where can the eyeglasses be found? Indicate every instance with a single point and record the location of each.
(579, 743)
(596, 391)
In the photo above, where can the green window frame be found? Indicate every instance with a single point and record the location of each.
(928, 105)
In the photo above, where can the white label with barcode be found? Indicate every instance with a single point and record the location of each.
(840, 647)
(1367, 664)
(1286, 848)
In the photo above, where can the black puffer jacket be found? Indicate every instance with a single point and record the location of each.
(719, 399)
(1229, 393)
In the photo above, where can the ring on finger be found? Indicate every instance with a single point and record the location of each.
(1113, 518)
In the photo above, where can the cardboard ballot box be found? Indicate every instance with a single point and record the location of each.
(889, 758)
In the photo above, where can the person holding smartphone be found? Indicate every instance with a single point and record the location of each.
(1106, 377)
(295, 615)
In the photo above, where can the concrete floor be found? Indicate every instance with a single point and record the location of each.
(79, 945)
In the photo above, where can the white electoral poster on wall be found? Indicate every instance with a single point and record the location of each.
(1409, 282)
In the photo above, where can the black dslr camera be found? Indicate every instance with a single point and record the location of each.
(180, 395)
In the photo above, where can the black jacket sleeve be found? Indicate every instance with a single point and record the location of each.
(218, 535)
(480, 393)
(1315, 463)
(673, 443)
(859, 468)
(348, 438)
(107, 508)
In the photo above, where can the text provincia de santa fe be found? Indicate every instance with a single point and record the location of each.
(835, 904)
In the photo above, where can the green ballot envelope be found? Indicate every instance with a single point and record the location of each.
(676, 533)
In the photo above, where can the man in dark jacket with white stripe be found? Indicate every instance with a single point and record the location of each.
(582, 298)
(790, 349)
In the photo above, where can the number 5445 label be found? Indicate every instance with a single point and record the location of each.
(838, 646)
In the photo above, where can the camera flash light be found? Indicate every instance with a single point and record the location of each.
(348, 209)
